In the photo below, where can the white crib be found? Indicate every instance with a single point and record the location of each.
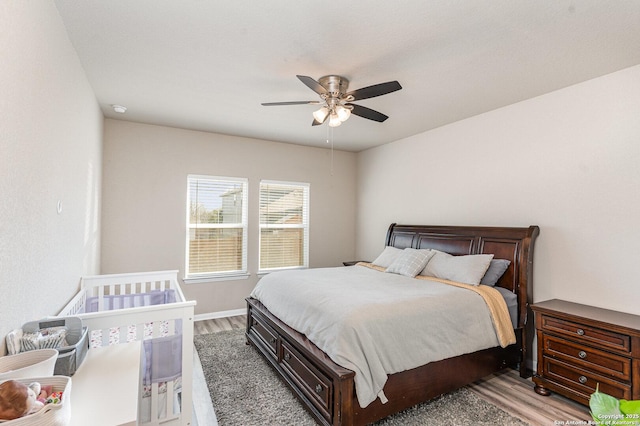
(148, 308)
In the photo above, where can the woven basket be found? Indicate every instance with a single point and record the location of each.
(50, 414)
(38, 363)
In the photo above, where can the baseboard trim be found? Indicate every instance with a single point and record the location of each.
(219, 314)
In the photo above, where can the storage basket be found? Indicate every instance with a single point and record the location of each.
(38, 363)
(70, 357)
(50, 414)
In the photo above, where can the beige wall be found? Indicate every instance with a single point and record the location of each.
(144, 200)
(568, 161)
(50, 151)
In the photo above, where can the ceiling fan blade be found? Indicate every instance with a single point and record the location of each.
(312, 84)
(291, 103)
(375, 90)
(368, 113)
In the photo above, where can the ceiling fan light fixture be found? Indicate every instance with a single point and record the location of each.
(343, 113)
(334, 120)
(321, 114)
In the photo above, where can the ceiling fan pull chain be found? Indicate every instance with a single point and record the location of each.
(328, 127)
(327, 134)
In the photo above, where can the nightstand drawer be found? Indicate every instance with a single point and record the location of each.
(583, 381)
(580, 332)
(586, 357)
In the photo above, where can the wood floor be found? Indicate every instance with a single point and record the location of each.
(506, 390)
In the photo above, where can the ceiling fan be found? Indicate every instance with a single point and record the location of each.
(337, 103)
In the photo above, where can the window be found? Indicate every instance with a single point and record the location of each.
(216, 226)
(284, 225)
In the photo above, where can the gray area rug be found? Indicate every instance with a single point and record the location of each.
(246, 391)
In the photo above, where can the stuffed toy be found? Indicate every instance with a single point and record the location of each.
(18, 400)
(43, 395)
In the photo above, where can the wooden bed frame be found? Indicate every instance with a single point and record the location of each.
(327, 390)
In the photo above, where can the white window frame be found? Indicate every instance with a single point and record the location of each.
(304, 225)
(244, 225)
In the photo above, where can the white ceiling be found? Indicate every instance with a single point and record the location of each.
(208, 64)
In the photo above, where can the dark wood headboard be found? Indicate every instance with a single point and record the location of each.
(514, 244)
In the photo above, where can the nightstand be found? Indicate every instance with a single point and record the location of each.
(581, 347)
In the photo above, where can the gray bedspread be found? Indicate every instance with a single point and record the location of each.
(377, 323)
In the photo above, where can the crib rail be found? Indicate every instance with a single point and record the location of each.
(130, 283)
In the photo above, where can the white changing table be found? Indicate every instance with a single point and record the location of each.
(105, 388)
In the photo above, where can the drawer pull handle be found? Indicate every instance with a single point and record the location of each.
(582, 354)
(580, 332)
(582, 379)
(273, 340)
(287, 357)
(318, 389)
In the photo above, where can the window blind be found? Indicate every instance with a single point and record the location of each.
(216, 226)
(284, 225)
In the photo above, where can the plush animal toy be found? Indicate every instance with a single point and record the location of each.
(18, 399)
(42, 395)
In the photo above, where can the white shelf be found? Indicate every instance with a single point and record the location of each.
(105, 388)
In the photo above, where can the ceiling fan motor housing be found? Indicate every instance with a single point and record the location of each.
(334, 84)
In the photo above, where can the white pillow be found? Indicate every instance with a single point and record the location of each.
(410, 262)
(388, 255)
(463, 269)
